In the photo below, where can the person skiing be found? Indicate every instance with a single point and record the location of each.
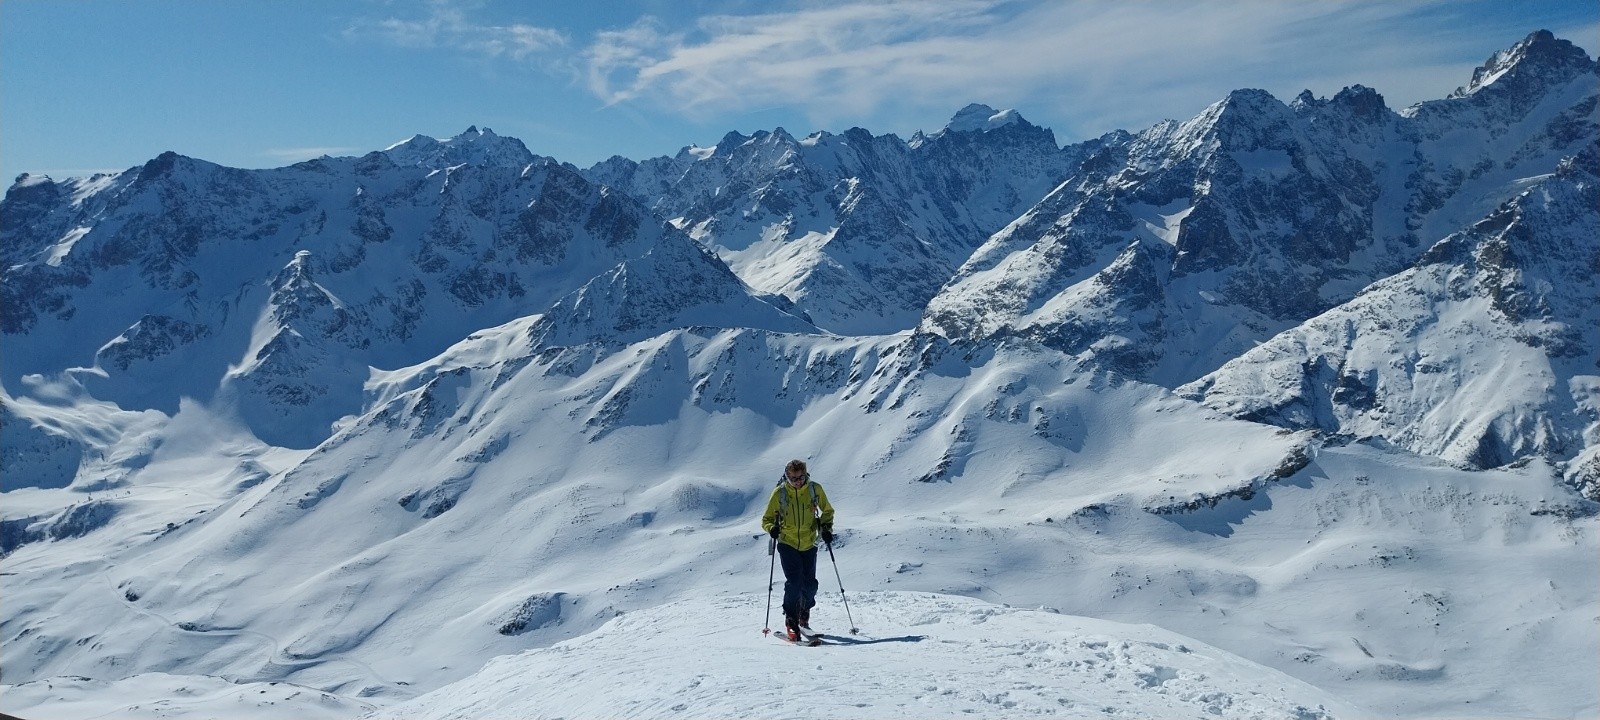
(797, 513)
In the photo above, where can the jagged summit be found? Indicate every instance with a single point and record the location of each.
(1249, 100)
(858, 230)
(1276, 213)
(1540, 57)
(473, 146)
(1360, 99)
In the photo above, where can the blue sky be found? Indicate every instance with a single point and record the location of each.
(92, 85)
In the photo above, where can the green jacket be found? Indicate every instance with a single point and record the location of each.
(801, 520)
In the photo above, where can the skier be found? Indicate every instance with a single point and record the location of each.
(797, 513)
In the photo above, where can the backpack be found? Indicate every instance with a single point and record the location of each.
(783, 499)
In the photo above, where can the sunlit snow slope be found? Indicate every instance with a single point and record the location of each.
(922, 655)
(1308, 386)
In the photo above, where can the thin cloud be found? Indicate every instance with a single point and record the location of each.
(751, 60)
(448, 26)
(1102, 64)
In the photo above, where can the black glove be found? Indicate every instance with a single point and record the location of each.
(773, 532)
(827, 534)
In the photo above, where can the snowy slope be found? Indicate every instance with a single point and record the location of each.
(534, 494)
(858, 230)
(274, 291)
(599, 455)
(1166, 256)
(928, 656)
(530, 407)
(1482, 354)
(159, 695)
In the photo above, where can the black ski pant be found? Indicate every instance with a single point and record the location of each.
(799, 580)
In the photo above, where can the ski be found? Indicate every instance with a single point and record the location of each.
(805, 640)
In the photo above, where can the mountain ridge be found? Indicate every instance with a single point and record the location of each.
(361, 424)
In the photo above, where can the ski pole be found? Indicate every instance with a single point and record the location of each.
(772, 545)
(853, 629)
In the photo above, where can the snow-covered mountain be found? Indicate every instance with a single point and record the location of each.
(1484, 353)
(1169, 255)
(858, 230)
(328, 438)
(278, 289)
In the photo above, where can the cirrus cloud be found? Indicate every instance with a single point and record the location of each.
(1100, 65)
(447, 25)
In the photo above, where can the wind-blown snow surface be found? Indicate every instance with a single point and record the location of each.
(159, 695)
(379, 566)
(930, 656)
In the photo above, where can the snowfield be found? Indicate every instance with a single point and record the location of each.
(160, 695)
(920, 655)
(1395, 584)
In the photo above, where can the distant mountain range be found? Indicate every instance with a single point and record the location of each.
(352, 357)
(1161, 255)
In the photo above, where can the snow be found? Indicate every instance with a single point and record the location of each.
(1477, 377)
(774, 263)
(86, 188)
(1163, 222)
(64, 247)
(922, 655)
(473, 146)
(1380, 579)
(535, 494)
(161, 695)
(976, 117)
(28, 180)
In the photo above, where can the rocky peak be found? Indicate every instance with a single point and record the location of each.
(164, 167)
(1360, 101)
(778, 136)
(1355, 103)
(1250, 104)
(295, 294)
(978, 123)
(1306, 101)
(29, 201)
(1540, 59)
(472, 147)
(1245, 120)
(728, 142)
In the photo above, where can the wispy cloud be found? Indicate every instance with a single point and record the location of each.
(447, 24)
(1102, 63)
